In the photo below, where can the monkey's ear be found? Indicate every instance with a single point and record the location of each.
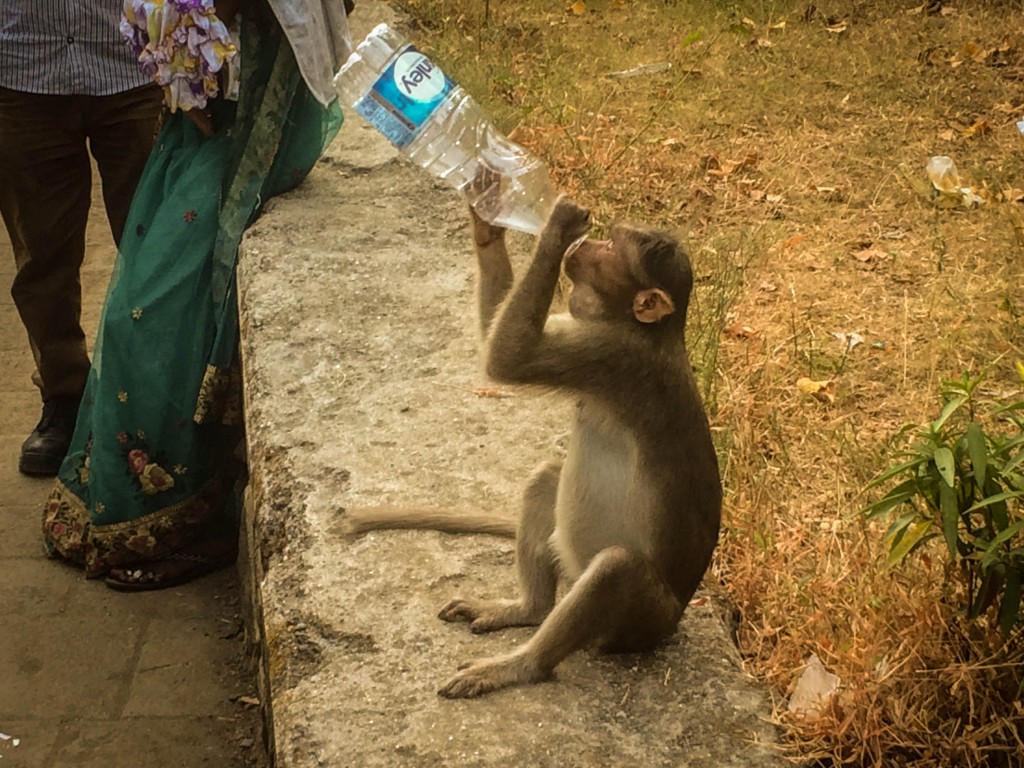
(651, 305)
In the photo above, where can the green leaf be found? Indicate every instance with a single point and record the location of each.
(887, 504)
(997, 509)
(1009, 608)
(1009, 408)
(992, 500)
(897, 470)
(1005, 446)
(898, 495)
(943, 459)
(1004, 535)
(898, 528)
(950, 518)
(916, 534)
(986, 593)
(1012, 463)
(948, 410)
(692, 38)
(977, 450)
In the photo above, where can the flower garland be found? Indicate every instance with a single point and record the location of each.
(181, 44)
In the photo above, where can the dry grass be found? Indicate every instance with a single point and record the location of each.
(788, 142)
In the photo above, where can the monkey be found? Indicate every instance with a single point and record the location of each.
(630, 517)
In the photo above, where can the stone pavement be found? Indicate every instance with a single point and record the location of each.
(90, 677)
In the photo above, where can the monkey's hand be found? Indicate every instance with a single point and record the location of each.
(484, 233)
(568, 222)
(483, 193)
(489, 615)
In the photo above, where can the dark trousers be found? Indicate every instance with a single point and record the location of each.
(45, 193)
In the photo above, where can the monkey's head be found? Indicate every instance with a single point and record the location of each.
(638, 273)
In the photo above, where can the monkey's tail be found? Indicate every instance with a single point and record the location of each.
(362, 519)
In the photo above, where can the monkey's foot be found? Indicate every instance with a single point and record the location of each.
(489, 675)
(489, 615)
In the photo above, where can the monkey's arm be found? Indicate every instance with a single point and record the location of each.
(520, 325)
(494, 270)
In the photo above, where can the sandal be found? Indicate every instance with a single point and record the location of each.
(176, 569)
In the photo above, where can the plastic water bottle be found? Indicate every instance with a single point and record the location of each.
(438, 126)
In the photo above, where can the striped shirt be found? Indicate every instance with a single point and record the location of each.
(65, 47)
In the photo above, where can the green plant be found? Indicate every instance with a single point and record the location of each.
(962, 481)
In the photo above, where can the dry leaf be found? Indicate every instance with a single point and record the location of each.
(849, 340)
(981, 127)
(725, 168)
(823, 391)
(645, 69)
(976, 53)
(740, 331)
(814, 688)
(972, 50)
(579, 7)
(489, 392)
(869, 255)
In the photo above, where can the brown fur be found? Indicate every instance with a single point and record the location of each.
(630, 518)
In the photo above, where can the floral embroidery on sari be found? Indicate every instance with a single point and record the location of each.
(220, 396)
(146, 469)
(69, 528)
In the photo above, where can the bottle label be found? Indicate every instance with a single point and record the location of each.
(404, 97)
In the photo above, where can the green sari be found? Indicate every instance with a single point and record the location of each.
(155, 461)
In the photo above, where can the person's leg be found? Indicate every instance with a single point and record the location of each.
(44, 201)
(121, 129)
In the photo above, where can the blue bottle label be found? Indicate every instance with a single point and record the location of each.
(404, 97)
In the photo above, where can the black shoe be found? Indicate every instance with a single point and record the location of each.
(44, 450)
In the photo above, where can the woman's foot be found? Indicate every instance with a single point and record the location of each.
(195, 560)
